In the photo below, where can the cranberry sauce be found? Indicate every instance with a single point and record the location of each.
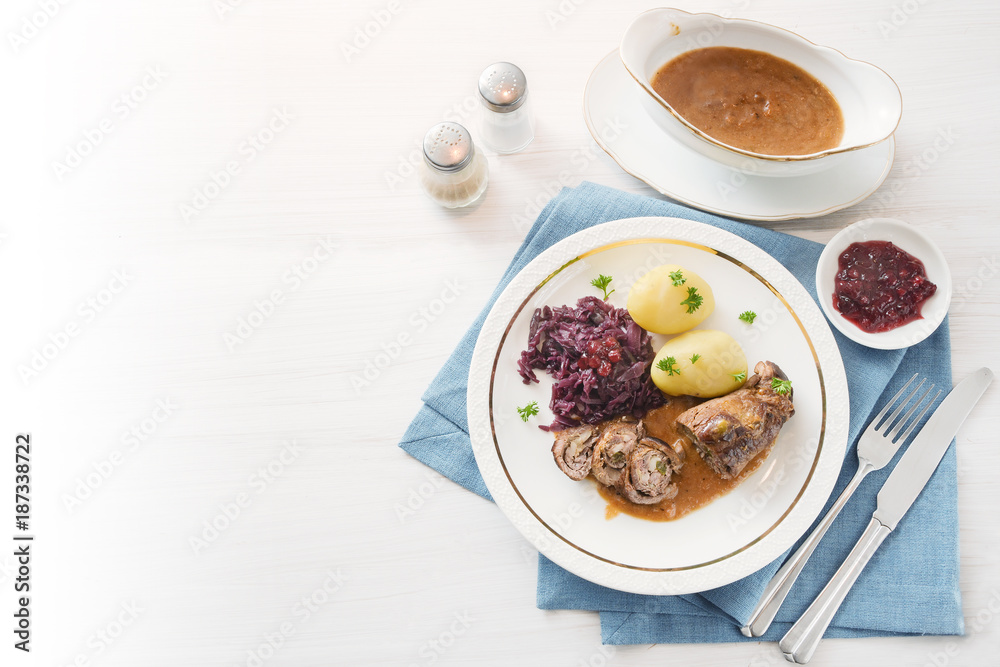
(879, 286)
(600, 355)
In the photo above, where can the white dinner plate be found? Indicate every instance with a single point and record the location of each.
(725, 540)
(622, 128)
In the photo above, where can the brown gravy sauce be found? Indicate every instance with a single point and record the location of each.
(697, 484)
(751, 100)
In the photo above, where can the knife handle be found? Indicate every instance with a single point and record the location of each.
(801, 640)
(781, 584)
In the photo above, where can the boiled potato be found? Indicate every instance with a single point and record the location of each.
(664, 304)
(719, 367)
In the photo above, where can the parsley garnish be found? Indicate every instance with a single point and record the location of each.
(530, 410)
(677, 278)
(695, 357)
(669, 366)
(739, 377)
(693, 301)
(783, 387)
(748, 316)
(601, 282)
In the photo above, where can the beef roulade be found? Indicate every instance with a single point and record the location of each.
(613, 448)
(572, 450)
(730, 430)
(646, 478)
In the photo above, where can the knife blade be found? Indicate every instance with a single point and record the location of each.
(895, 497)
(921, 459)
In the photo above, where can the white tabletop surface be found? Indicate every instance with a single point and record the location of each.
(153, 413)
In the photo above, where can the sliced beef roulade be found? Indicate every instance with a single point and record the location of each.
(572, 450)
(646, 478)
(613, 448)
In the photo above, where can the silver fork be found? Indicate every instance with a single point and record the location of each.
(877, 446)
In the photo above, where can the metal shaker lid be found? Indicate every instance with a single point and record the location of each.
(448, 147)
(503, 87)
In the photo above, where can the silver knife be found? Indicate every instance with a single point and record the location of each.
(897, 494)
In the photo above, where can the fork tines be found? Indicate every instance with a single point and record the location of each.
(897, 426)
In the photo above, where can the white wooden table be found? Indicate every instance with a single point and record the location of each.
(211, 229)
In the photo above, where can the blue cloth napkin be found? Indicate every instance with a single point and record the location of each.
(911, 585)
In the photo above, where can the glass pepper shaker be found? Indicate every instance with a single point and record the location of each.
(507, 123)
(454, 173)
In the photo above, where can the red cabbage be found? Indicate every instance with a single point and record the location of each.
(558, 338)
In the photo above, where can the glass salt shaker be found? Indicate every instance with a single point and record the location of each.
(507, 123)
(454, 173)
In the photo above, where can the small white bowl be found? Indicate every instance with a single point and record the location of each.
(869, 99)
(907, 238)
